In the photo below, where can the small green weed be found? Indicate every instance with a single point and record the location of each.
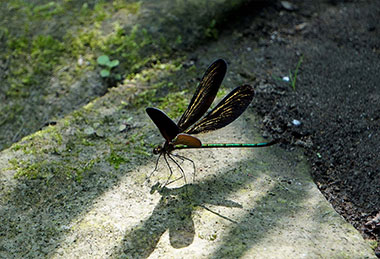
(292, 77)
(211, 31)
(108, 65)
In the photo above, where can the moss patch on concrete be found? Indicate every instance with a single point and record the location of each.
(69, 149)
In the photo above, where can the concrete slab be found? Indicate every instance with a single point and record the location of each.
(243, 203)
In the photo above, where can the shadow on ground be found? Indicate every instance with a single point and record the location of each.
(175, 211)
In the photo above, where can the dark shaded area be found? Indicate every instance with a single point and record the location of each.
(336, 97)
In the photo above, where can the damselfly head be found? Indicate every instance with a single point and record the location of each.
(157, 150)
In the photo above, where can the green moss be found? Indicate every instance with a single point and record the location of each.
(115, 159)
(145, 98)
(47, 154)
(46, 48)
(373, 244)
(222, 92)
(46, 169)
(30, 61)
(35, 52)
(171, 67)
(9, 113)
(47, 10)
(27, 168)
(156, 78)
(57, 137)
(86, 142)
(100, 12)
(177, 102)
(16, 147)
(140, 146)
(83, 41)
(51, 154)
(44, 165)
(131, 7)
(127, 47)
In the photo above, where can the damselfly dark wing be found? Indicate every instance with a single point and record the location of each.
(204, 95)
(229, 109)
(169, 130)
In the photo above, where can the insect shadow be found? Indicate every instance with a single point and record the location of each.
(174, 213)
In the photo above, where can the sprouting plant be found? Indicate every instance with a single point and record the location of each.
(211, 31)
(293, 76)
(108, 65)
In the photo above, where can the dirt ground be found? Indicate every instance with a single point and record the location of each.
(336, 97)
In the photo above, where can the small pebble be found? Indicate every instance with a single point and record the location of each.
(122, 127)
(296, 122)
(287, 5)
(80, 61)
(301, 26)
(89, 131)
(285, 78)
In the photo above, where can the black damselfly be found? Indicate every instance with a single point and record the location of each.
(177, 136)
